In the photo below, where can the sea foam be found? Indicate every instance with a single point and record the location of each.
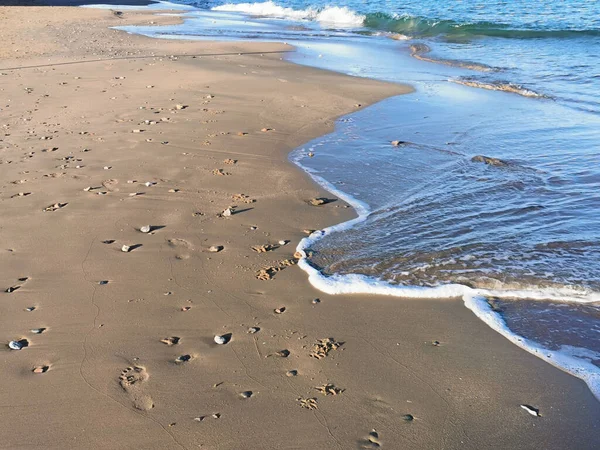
(330, 15)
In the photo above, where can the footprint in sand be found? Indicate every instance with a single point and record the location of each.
(180, 244)
(110, 185)
(132, 381)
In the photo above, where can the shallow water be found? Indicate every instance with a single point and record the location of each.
(432, 221)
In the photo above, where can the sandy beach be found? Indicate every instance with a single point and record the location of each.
(105, 133)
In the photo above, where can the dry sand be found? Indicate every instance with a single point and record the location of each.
(132, 363)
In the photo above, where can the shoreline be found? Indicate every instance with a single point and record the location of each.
(456, 391)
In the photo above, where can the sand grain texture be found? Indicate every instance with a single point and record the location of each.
(71, 92)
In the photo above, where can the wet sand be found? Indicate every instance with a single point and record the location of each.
(104, 133)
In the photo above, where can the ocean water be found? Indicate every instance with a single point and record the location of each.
(518, 81)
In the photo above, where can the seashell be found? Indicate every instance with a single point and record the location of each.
(283, 242)
(318, 201)
(173, 340)
(41, 369)
(291, 373)
(149, 183)
(180, 106)
(18, 345)
(280, 310)
(183, 358)
(30, 309)
(408, 417)
(216, 416)
(103, 282)
(253, 330)
(531, 410)
(125, 248)
(145, 229)
(87, 189)
(316, 301)
(215, 248)
(38, 330)
(228, 212)
(246, 394)
(222, 339)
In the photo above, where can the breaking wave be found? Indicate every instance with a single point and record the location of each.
(331, 15)
(400, 24)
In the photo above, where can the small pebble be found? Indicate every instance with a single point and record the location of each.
(316, 301)
(40, 369)
(126, 248)
(38, 330)
(283, 242)
(145, 229)
(215, 248)
(291, 373)
(280, 310)
(246, 394)
(253, 330)
(408, 417)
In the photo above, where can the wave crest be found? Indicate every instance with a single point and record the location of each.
(332, 15)
(499, 86)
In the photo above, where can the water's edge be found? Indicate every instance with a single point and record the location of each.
(474, 299)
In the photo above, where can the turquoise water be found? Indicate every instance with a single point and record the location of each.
(514, 80)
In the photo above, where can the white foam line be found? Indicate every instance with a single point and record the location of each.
(474, 299)
(159, 5)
